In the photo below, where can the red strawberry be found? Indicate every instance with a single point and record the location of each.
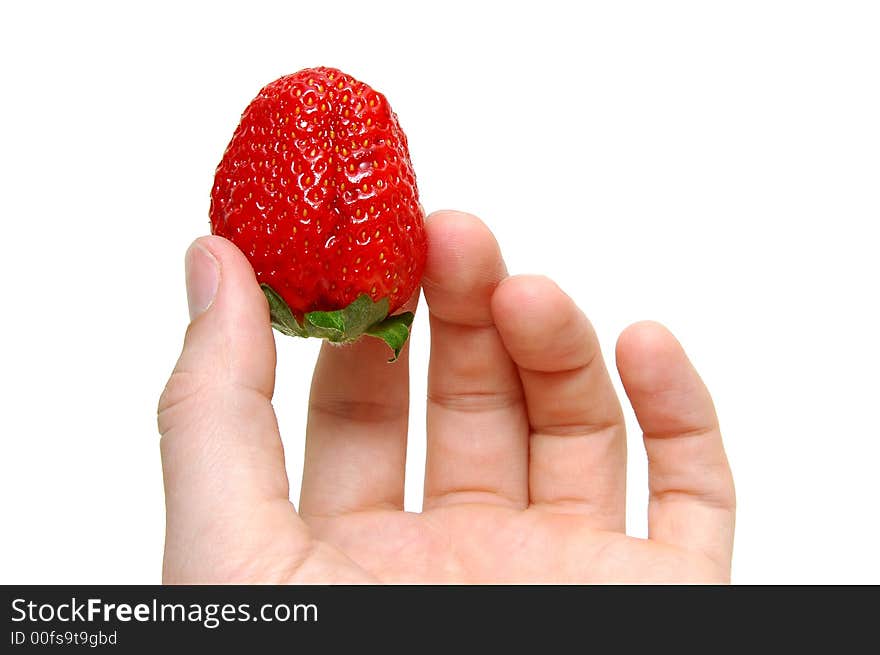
(317, 189)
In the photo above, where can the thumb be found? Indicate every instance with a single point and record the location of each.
(222, 456)
(229, 338)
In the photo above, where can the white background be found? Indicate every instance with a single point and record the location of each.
(712, 165)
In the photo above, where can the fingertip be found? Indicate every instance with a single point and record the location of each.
(646, 341)
(646, 331)
(448, 223)
(529, 306)
(453, 217)
(664, 387)
(540, 324)
(464, 265)
(462, 246)
(202, 272)
(233, 261)
(229, 333)
(520, 298)
(238, 284)
(219, 246)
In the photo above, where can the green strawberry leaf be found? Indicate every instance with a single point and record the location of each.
(361, 317)
(349, 323)
(394, 331)
(282, 318)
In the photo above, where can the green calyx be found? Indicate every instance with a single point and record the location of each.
(361, 317)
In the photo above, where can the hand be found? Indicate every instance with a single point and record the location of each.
(526, 451)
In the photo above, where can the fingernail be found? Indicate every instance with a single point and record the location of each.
(202, 279)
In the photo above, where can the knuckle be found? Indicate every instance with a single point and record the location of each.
(359, 411)
(181, 387)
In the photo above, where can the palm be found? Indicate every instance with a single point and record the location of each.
(526, 450)
(480, 544)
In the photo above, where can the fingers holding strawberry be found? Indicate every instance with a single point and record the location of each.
(525, 434)
(222, 456)
(356, 432)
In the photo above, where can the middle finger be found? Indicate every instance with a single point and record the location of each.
(477, 449)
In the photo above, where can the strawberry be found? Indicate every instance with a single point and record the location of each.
(316, 188)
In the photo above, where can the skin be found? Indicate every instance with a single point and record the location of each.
(525, 477)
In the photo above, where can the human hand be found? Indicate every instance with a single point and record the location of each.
(525, 475)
